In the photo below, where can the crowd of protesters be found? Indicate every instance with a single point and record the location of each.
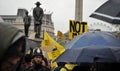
(15, 57)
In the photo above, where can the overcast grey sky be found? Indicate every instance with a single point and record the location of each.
(63, 10)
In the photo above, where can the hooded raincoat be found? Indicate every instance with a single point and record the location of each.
(8, 36)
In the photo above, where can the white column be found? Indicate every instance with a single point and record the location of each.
(79, 10)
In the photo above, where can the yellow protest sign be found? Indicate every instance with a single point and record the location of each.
(76, 28)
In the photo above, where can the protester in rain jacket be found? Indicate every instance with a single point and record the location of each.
(12, 47)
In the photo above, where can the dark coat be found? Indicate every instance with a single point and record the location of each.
(8, 36)
(38, 68)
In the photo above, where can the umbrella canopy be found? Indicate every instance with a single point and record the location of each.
(90, 54)
(108, 12)
(93, 38)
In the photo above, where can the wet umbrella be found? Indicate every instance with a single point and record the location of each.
(93, 38)
(90, 54)
(108, 12)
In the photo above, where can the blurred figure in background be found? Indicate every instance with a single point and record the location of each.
(12, 48)
(27, 62)
(45, 62)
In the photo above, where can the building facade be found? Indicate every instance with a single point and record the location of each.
(17, 21)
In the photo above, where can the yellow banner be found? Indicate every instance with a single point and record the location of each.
(50, 42)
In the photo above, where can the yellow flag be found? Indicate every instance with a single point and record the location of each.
(50, 55)
(50, 42)
(46, 40)
(54, 54)
(45, 43)
(60, 35)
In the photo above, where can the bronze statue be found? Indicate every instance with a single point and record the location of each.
(38, 15)
(27, 22)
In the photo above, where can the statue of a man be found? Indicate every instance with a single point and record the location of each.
(38, 15)
(27, 23)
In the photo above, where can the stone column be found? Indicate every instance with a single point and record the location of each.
(79, 10)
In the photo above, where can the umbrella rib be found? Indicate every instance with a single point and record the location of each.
(82, 50)
(107, 16)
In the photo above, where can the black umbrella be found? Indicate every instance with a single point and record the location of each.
(90, 54)
(93, 38)
(108, 12)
